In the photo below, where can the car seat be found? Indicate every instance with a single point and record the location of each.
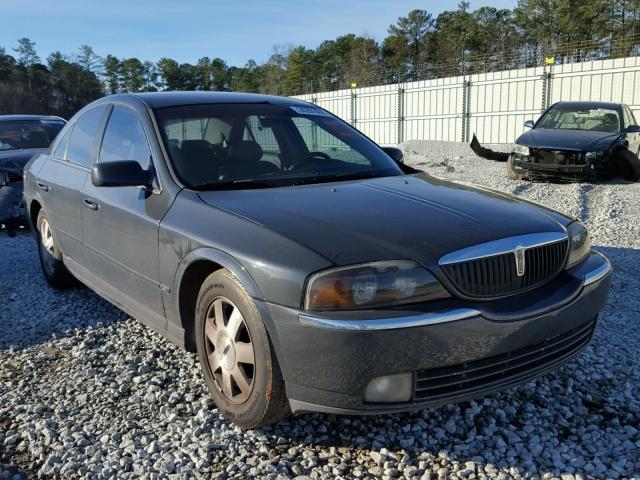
(244, 161)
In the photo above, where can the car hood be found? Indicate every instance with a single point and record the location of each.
(13, 161)
(558, 139)
(417, 217)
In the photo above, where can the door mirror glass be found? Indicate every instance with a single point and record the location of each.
(632, 129)
(121, 173)
(395, 153)
(528, 124)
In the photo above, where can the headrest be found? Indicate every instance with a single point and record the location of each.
(244, 151)
(610, 119)
(568, 118)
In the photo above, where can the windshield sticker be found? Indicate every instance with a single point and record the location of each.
(310, 111)
(52, 122)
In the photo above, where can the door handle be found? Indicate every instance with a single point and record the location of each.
(90, 204)
(43, 186)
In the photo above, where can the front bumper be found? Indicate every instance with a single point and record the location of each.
(527, 168)
(456, 349)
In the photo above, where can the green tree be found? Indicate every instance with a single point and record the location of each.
(26, 51)
(405, 47)
(89, 60)
(133, 75)
(112, 72)
(170, 74)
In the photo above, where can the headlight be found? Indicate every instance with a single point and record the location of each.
(592, 155)
(520, 149)
(579, 244)
(372, 285)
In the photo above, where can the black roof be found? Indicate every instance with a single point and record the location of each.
(611, 105)
(173, 99)
(23, 118)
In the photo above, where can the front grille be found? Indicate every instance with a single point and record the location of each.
(557, 157)
(496, 275)
(507, 368)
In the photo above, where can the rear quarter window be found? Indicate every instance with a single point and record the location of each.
(83, 140)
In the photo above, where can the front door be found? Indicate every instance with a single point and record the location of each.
(632, 138)
(121, 224)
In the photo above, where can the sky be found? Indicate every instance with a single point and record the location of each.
(234, 30)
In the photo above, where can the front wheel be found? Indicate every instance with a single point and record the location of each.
(50, 255)
(236, 356)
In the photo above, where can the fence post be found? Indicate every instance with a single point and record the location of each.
(547, 80)
(400, 131)
(353, 108)
(466, 110)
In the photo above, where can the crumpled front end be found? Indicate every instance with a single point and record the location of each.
(558, 165)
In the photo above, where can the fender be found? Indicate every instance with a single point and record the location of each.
(221, 258)
(234, 266)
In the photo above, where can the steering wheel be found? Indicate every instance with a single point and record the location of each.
(307, 162)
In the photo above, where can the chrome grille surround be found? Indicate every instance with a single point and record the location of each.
(506, 266)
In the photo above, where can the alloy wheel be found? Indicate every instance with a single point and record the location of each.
(229, 349)
(47, 247)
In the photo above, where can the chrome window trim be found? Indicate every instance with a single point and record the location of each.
(502, 246)
(599, 273)
(392, 323)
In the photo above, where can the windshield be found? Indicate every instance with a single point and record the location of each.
(19, 134)
(581, 118)
(261, 145)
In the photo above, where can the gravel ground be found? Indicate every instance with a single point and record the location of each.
(87, 392)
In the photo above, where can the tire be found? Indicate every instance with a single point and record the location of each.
(230, 334)
(626, 165)
(511, 173)
(50, 255)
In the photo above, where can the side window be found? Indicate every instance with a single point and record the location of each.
(61, 148)
(83, 137)
(124, 138)
(263, 136)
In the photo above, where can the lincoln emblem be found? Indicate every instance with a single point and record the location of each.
(520, 261)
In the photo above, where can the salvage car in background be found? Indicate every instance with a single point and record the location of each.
(21, 137)
(575, 141)
(309, 268)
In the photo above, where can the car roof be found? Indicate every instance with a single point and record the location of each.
(18, 118)
(611, 105)
(174, 99)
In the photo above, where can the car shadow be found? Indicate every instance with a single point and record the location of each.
(32, 312)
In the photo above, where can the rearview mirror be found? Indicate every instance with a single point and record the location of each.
(528, 124)
(632, 129)
(125, 173)
(395, 153)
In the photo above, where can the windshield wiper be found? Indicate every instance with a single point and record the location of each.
(341, 176)
(233, 184)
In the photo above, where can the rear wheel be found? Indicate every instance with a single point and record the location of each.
(237, 359)
(50, 255)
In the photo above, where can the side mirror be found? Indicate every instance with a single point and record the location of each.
(528, 124)
(632, 129)
(395, 153)
(125, 173)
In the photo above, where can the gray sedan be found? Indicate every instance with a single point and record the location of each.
(310, 269)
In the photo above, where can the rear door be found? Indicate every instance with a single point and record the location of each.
(121, 224)
(62, 177)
